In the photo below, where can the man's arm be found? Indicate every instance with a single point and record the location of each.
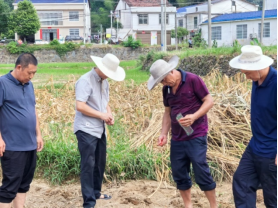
(88, 111)
(166, 124)
(38, 133)
(189, 119)
(2, 146)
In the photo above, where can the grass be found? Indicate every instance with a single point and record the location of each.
(59, 161)
(62, 72)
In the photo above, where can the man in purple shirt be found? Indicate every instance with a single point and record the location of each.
(185, 93)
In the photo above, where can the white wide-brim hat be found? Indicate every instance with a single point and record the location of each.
(251, 59)
(160, 69)
(109, 65)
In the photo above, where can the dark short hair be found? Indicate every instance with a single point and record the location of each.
(25, 59)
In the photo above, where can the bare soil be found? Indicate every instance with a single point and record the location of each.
(129, 194)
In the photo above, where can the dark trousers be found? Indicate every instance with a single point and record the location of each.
(252, 171)
(193, 151)
(93, 159)
(18, 168)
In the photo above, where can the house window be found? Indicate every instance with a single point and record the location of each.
(74, 32)
(181, 23)
(167, 19)
(195, 22)
(73, 16)
(266, 32)
(216, 33)
(143, 19)
(241, 31)
(50, 18)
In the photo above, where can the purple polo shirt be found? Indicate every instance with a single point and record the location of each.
(187, 100)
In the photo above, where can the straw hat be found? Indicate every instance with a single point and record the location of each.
(251, 58)
(109, 65)
(160, 69)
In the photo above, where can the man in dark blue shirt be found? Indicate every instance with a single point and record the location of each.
(20, 136)
(258, 164)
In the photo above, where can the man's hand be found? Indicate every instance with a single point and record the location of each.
(2, 147)
(107, 117)
(39, 143)
(110, 123)
(162, 140)
(188, 120)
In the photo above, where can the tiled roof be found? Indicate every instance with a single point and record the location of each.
(244, 16)
(145, 3)
(53, 1)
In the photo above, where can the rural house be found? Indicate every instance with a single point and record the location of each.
(191, 17)
(243, 27)
(60, 18)
(142, 19)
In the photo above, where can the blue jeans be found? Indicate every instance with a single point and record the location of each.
(252, 171)
(192, 151)
(93, 159)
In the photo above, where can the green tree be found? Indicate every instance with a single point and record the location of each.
(114, 24)
(24, 21)
(10, 3)
(181, 32)
(4, 15)
(100, 10)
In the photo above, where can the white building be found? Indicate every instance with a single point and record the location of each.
(60, 18)
(191, 17)
(243, 27)
(142, 20)
(270, 4)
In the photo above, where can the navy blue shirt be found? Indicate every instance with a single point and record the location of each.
(17, 114)
(264, 116)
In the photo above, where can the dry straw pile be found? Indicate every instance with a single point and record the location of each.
(141, 111)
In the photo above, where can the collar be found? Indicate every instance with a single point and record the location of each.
(183, 75)
(11, 77)
(98, 78)
(268, 77)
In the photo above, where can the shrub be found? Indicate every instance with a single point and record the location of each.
(14, 48)
(198, 41)
(54, 42)
(214, 44)
(131, 42)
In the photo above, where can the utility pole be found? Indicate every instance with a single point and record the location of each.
(209, 23)
(162, 28)
(117, 25)
(165, 25)
(84, 22)
(111, 12)
(176, 39)
(100, 34)
(262, 23)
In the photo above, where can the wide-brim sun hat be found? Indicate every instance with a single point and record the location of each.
(160, 69)
(251, 59)
(109, 65)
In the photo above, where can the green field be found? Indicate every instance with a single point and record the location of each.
(62, 72)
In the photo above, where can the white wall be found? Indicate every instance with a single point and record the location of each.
(226, 7)
(228, 32)
(270, 4)
(125, 14)
(129, 17)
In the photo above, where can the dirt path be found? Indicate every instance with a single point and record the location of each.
(130, 194)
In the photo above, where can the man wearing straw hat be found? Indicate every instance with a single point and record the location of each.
(186, 94)
(92, 113)
(258, 164)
